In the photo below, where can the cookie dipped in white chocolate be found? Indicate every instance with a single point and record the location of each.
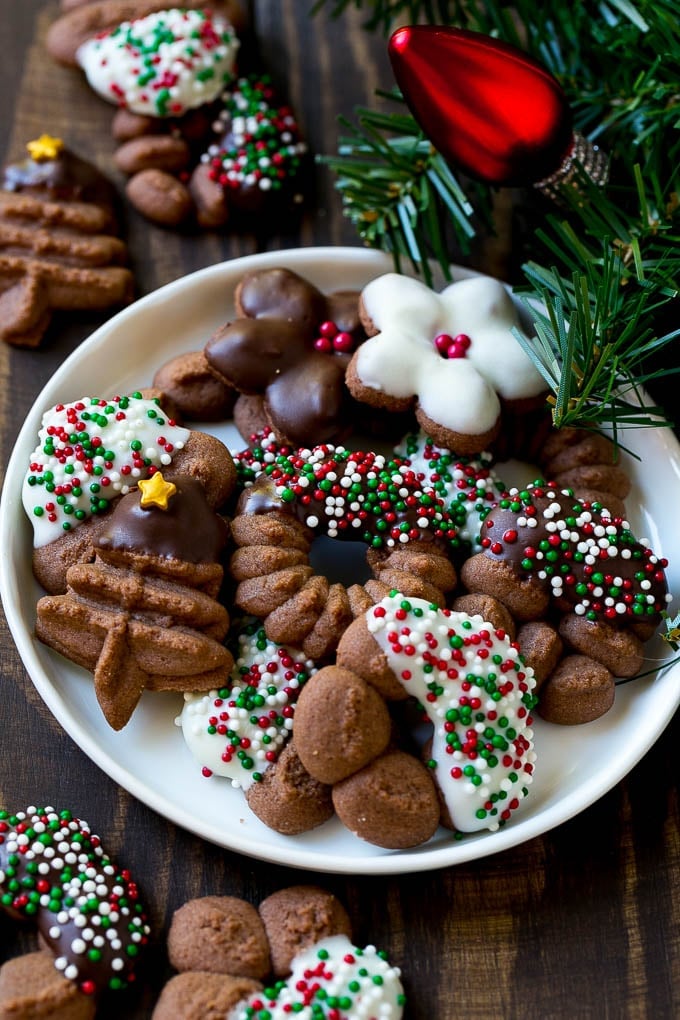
(163, 64)
(332, 980)
(474, 687)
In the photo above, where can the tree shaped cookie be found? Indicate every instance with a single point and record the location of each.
(144, 614)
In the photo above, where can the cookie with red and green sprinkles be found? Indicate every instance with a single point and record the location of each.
(356, 495)
(239, 731)
(331, 980)
(258, 151)
(468, 486)
(90, 451)
(477, 692)
(54, 870)
(585, 556)
(164, 64)
(263, 450)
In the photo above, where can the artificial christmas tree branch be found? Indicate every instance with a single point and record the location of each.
(605, 264)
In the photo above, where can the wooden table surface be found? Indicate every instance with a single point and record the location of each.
(583, 921)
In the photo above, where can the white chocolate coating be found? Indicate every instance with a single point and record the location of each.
(238, 732)
(477, 693)
(461, 394)
(360, 984)
(163, 64)
(71, 467)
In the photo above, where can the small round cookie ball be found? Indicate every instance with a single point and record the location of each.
(160, 196)
(194, 389)
(392, 802)
(287, 799)
(298, 917)
(541, 648)
(202, 994)
(620, 651)
(341, 724)
(578, 691)
(489, 608)
(525, 598)
(220, 934)
(32, 987)
(207, 459)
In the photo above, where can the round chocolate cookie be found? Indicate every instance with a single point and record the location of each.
(341, 724)
(194, 389)
(298, 917)
(220, 934)
(202, 994)
(288, 799)
(578, 691)
(392, 802)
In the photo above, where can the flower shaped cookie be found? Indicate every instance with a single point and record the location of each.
(287, 355)
(452, 354)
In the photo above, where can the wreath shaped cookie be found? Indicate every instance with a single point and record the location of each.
(353, 495)
(451, 355)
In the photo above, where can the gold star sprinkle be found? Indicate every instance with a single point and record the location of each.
(156, 491)
(44, 148)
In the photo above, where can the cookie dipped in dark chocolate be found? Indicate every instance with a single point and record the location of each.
(186, 529)
(291, 344)
(352, 495)
(54, 870)
(64, 177)
(587, 559)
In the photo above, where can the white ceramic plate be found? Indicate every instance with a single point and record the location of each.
(576, 765)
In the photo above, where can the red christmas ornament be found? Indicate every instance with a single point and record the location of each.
(486, 106)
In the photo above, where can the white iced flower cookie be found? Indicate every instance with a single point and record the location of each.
(332, 980)
(163, 64)
(477, 692)
(90, 451)
(452, 354)
(240, 730)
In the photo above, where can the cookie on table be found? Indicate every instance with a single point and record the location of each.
(82, 22)
(312, 964)
(297, 917)
(219, 934)
(254, 166)
(60, 245)
(197, 993)
(32, 989)
(452, 357)
(55, 872)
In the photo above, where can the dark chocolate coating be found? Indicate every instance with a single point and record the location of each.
(270, 351)
(66, 178)
(632, 577)
(188, 530)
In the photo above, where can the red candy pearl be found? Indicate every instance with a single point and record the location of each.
(343, 342)
(443, 343)
(323, 344)
(328, 329)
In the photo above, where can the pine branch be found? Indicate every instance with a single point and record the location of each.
(603, 275)
(399, 193)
